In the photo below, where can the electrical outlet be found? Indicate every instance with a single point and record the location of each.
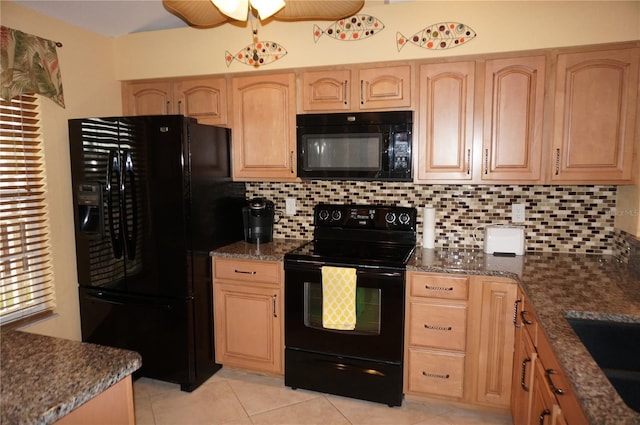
(290, 206)
(517, 213)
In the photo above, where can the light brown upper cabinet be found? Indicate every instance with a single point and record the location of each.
(204, 99)
(512, 119)
(507, 103)
(356, 89)
(595, 113)
(445, 122)
(264, 127)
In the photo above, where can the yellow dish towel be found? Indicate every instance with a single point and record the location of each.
(338, 298)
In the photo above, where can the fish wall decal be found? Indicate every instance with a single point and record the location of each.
(440, 36)
(258, 53)
(353, 28)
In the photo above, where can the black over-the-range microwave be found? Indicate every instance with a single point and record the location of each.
(355, 146)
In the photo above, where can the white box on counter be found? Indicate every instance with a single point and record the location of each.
(504, 239)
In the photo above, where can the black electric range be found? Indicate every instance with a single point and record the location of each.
(366, 360)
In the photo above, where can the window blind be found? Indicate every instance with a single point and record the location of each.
(26, 278)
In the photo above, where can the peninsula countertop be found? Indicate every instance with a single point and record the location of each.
(557, 285)
(43, 378)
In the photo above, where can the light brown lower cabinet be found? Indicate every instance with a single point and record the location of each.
(459, 338)
(248, 314)
(113, 406)
(542, 395)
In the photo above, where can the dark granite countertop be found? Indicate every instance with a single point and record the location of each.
(44, 378)
(557, 285)
(271, 251)
(560, 286)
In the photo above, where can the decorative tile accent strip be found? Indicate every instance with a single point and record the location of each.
(576, 219)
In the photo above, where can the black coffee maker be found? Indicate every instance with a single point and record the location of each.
(258, 221)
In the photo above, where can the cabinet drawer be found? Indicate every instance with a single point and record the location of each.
(436, 373)
(247, 270)
(438, 326)
(452, 287)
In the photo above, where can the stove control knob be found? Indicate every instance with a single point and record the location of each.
(336, 215)
(323, 215)
(390, 217)
(404, 218)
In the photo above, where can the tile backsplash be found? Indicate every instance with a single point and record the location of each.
(576, 219)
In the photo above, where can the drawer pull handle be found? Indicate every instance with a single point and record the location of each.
(545, 412)
(515, 313)
(552, 387)
(524, 373)
(438, 328)
(435, 375)
(437, 288)
(244, 272)
(526, 321)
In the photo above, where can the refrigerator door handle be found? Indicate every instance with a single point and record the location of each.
(129, 202)
(115, 231)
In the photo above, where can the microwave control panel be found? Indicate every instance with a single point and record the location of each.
(401, 158)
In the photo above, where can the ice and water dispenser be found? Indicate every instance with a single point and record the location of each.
(89, 209)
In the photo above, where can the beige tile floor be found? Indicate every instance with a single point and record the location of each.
(233, 397)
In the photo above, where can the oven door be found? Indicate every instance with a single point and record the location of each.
(379, 330)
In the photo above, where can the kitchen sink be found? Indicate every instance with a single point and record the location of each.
(615, 346)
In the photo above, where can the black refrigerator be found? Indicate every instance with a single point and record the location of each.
(152, 197)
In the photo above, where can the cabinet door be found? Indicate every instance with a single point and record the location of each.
(248, 326)
(513, 110)
(203, 99)
(326, 90)
(264, 127)
(595, 115)
(148, 98)
(495, 356)
(384, 88)
(446, 121)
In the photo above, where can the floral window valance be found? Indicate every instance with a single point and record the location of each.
(29, 65)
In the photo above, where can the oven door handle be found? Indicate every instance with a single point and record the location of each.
(393, 274)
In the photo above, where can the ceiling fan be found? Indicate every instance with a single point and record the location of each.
(211, 13)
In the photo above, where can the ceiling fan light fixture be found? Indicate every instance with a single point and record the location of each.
(267, 8)
(236, 9)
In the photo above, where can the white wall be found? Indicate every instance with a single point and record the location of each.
(500, 25)
(90, 89)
